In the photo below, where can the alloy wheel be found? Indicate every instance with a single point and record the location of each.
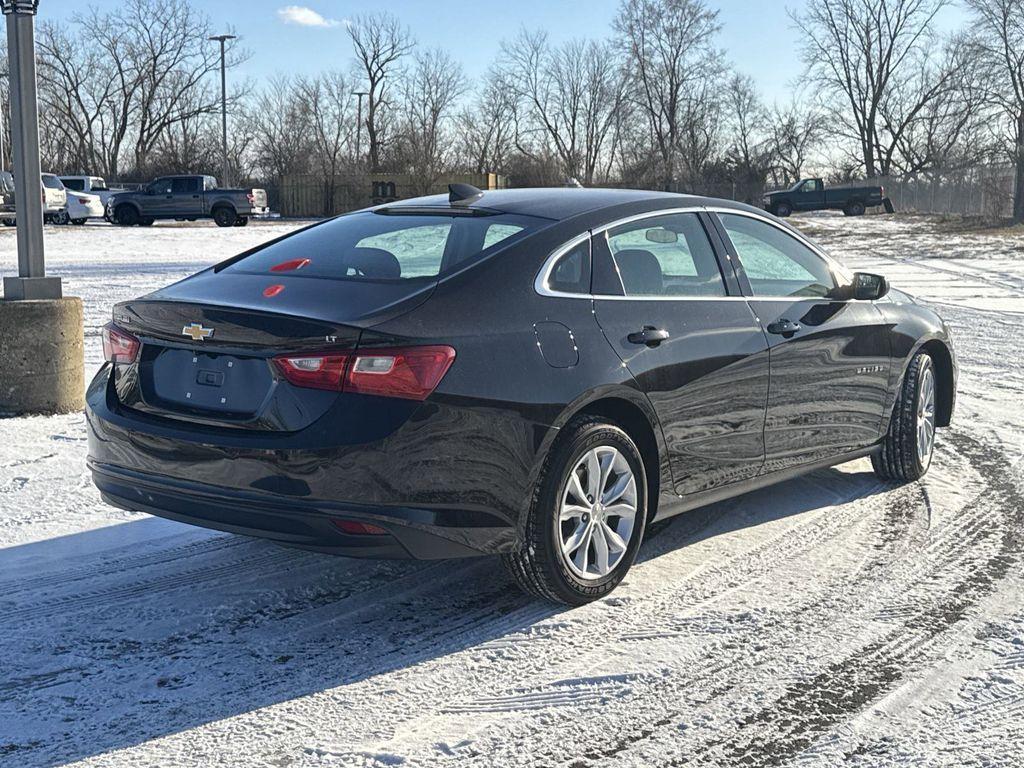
(926, 416)
(597, 513)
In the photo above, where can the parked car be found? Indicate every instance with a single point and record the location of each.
(55, 200)
(53, 195)
(94, 185)
(83, 206)
(812, 195)
(187, 198)
(536, 373)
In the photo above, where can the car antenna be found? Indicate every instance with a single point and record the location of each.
(463, 194)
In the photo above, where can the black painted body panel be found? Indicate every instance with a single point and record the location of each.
(455, 474)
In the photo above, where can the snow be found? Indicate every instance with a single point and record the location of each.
(830, 620)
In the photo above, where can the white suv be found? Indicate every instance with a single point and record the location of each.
(55, 200)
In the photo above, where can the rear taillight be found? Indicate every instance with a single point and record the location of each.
(251, 197)
(119, 346)
(411, 373)
(315, 372)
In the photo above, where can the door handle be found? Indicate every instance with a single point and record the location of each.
(650, 336)
(783, 327)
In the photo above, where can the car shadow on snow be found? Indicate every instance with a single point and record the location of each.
(113, 637)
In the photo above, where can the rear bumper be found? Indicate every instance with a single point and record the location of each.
(422, 534)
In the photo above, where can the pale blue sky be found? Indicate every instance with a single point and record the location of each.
(757, 36)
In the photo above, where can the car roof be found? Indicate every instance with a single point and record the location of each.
(562, 202)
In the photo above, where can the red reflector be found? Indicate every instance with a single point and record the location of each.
(314, 372)
(288, 266)
(409, 372)
(119, 346)
(272, 290)
(355, 528)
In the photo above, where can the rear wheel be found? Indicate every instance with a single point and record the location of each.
(783, 210)
(907, 449)
(126, 216)
(78, 222)
(856, 208)
(587, 516)
(225, 216)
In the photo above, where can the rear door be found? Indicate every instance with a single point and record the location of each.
(690, 340)
(187, 196)
(829, 357)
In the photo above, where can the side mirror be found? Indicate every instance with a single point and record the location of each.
(869, 287)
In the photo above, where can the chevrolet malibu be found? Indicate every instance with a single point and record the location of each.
(540, 374)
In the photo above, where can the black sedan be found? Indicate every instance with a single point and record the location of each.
(540, 374)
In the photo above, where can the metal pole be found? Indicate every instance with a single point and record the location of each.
(31, 282)
(222, 39)
(359, 123)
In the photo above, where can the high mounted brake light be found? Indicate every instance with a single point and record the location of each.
(410, 373)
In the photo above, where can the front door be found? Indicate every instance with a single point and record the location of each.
(158, 198)
(829, 358)
(691, 342)
(810, 195)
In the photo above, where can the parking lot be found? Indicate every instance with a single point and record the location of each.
(832, 618)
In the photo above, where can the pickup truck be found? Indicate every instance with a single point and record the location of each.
(811, 195)
(186, 198)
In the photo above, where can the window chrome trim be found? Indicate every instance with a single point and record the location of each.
(541, 287)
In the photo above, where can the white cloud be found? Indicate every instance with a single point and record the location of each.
(304, 17)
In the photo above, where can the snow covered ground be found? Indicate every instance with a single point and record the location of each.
(830, 620)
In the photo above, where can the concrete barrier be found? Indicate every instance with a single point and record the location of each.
(41, 357)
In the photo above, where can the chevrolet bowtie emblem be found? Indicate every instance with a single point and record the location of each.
(196, 332)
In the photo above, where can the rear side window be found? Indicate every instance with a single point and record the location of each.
(184, 186)
(571, 272)
(665, 256)
(373, 246)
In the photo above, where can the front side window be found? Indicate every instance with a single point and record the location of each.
(811, 186)
(776, 263)
(161, 187)
(375, 246)
(665, 256)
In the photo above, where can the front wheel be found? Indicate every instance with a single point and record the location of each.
(126, 216)
(242, 221)
(587, 516)
(907, 448)
(225, 217)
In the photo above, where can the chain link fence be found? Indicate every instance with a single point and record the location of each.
(985, 191)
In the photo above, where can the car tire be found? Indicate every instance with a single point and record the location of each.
(146, 222)
(61, 218)
(126, 216)
(909, 442)
(783, 210)
(242, 221)
(78, 222)
(856, 208)
(10, 222)
(546, 564)
(225, 216)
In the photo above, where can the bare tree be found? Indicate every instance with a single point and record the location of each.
(858, 51)
(431, 92)
(380, 42)
(570, 96)
(327, 102)
(748, 154)
(279, 119)
(796, 130)
(486, 128)
(998, 52)
(673, 66)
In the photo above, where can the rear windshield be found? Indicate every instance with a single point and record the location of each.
(52, 182)
(373, 246)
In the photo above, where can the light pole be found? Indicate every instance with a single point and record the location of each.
(31, 282)
(359, 122)
(222, 39)
(42, 340)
